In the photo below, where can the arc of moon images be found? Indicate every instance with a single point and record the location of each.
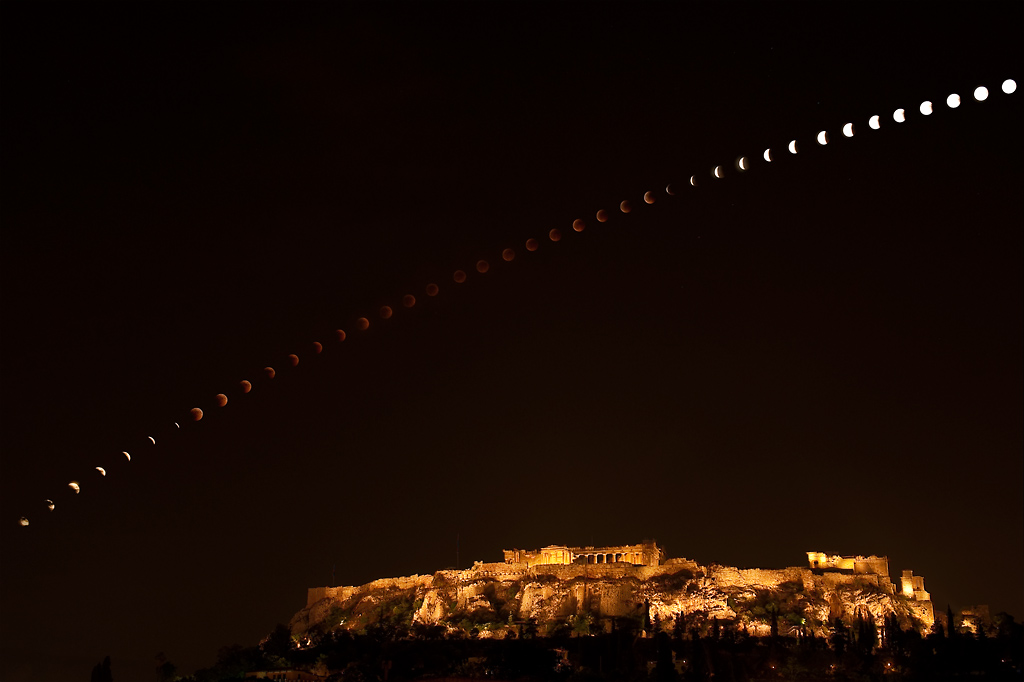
(532, 244)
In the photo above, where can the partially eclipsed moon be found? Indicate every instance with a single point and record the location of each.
(318, 347)
(792, 147)
(432, 290)
(103, 472)
(23, 521)
(196, 413)
(270, 372)
(532, 244)
(899, 116)
(129, 457)
(670, 190)
(823, 138)
(151, 439)
(177, 425)
(848, 130)
(293, 358)
(649, 197)
(693, 180)
(245, 386)
(873, 123)
(482, 266)
(50, 505)
(768, 155)
(341, 334)
(602, 216)
(220, 399)
(625, 206)
(717, 172)
(386, 312)
(459, 277)
(578, 224)
(743, 164)
(74, 486)
(362, 324)
(953, 101)
(507, 255)
(408, 300)
(555, 234)
(926, 108)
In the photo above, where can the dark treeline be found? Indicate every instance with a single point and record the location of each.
(632, 650)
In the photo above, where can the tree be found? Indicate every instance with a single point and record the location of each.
(101, 672)
(279, 643)
(679, 627)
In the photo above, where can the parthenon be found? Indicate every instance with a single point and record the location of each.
(645, 554)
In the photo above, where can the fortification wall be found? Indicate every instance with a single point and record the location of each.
(761, 578)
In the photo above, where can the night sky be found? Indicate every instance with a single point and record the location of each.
(820, 353)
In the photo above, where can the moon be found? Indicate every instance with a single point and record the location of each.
(578, 224)
(532, 244)
(507, 255)
(625, 206)
(432, 289)
(196, 413)
(341, 334)
(792, 147)
(459, 277)
(408, 300)
(103, 472)
(362, 324)
(270, 372)
(926, 108)
(981, 93)
(318, 347)
(50, 505)
(649, 197)
(953, 101)
(1009, 86)
(848, 130)
(873, 123)
(386, 312)
(670, 190)
(245, 386)
(293, 358)
(823, 138)
(151, 439)
(693, 180)
(768, 155)
(482, 266)
(743, 164)
(602, 216)
(717, 172)
(74, 486)
(177, 425)
(220, 399)
(126, 455)
(23, 521)
(899, 116)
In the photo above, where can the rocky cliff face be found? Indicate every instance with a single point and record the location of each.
(496, 600)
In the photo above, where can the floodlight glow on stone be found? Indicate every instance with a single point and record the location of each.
(981, 93)
(953, 101)
(1009, 86)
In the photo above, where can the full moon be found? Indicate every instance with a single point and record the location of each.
(432, 289)
(1009, 86)
(926, 108)
(196, 413)
(823, 138)
(873, 123)
(953, 101)
(221, 400)
(792, 147)
(981, 93)
(459, 277)
(482, 266)
(848, 130)
(899, 116)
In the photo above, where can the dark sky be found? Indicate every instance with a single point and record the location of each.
(821, 353)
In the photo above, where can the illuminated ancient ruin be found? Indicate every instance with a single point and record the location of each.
(645, 554)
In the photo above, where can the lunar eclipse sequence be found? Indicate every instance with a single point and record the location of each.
(532, 244)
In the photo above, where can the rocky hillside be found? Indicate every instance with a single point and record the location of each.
(500, 600)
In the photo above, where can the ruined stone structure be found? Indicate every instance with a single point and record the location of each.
(857, 564)
(646, 554)
(913, 587)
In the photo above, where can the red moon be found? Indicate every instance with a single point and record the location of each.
(508, 254)
(270, 372)
(482, 266)
(318, 347)
(459, 277)
(196, 413)
(649, 197)
(385, 311)
(625, 207)
(531, 244)
(554, 235)
(578, 225)
(432, 290)
(602, 216)
(245, 386)
(362, 324)
(221, 399)
(341, 334)
(408, 300)
(294, 359)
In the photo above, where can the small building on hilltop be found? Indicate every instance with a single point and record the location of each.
(644, 554)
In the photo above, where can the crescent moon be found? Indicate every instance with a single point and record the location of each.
(717, 172)
(23, 521)
(792, 147)
(126, 455)
(649, 197)
(743, 164)
(768, 155)
(50, 505)
(602, 216)
(670, 190)
(625, 206)
(873, 123)
(74, 486)
(899, 116)
(693, 180)
(103, 472)
(578, 224)
(926, 108)
(151, 439)
(823, 138)
(848, 130)
(177, 425)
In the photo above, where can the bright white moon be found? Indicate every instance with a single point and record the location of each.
(848, 130)
(74, 486)
(899, 116)
(981, 93)
(822, 138)
(873, 122)
(1009, 86)
(126, 455)
(718, 171)
(743, 163)
(768, 155)
(23, 521)
(103, 472)
(792, 147)
(953, 101)
(152, 440)
(693, 180)
(926, 108)
(49, 505)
